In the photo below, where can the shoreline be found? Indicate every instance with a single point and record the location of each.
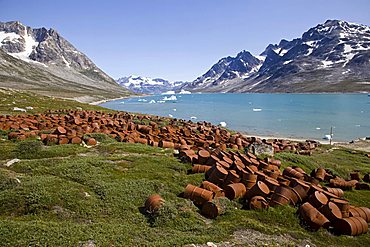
(106, 100)
(123, 97)
(294, 139)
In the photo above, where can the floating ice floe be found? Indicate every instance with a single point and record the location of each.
(161, 101)
(142, 100)
(170, 115)
(184, 92)
(171, 98)
(257, 109)
(19, 109)
(152, 101)
(223, 124)
(168, 93)
(29, 107)
(193, 117)
(358, 125)
(174, 109)
(318, 128)
(327, 137)
(122, 102)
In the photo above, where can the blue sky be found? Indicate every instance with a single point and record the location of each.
(176, 39)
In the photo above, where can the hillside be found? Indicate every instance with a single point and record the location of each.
(42, 61)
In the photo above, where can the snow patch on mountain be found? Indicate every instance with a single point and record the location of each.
(141, 84)
(28, 46)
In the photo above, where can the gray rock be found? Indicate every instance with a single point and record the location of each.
(260, 148)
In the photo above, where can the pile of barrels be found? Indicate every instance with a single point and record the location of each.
(69, 126)
(260, 183)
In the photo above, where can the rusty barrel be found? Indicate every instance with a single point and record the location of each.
(211, 209)
(362, 186)
(343, 205)
(232, 177)
(272, 183)
(166, 144)
(320, 174)
(200, 168)
(367, 178)
(352, 226)
(197, 195)
(258, 202)
(318, 199)
(249, 180)
(218, 175)
(331, 211)
(290, 172)
(219, 192)
(234, 191)
(203, 156)
(273, 162)
(283, 181)
(362, 212)
(259, 189)
(336, 191)
(91, 142)
(355, 176)
(300, 190)
(282, 196)
(153, 203)
(312, 217)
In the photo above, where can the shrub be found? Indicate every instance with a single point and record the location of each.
(28, 149)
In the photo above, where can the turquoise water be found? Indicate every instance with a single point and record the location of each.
(281, 115)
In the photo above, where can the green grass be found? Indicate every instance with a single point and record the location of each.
(10, 99)
(98, 194)
(66, 195)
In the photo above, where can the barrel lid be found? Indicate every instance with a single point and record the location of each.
(263, 187)
(321, 197)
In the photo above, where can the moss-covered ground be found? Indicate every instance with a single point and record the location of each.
(66, 195)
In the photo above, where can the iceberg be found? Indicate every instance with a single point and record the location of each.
(223, 124)
(184, 92)
(152, 101)
(327, 137)
(168, 93)
(171, 98)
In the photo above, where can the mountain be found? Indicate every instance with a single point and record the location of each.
(146, 85)
(331, 57)
(41, 60)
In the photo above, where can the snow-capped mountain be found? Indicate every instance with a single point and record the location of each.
(146, 85)
(41, 58)
(228, 68)
(331, 57)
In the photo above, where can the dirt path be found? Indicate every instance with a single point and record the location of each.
(359, 145)
(249, 237)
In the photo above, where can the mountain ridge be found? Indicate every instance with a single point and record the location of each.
(330, 57)
(41, 60)
(147, 85)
